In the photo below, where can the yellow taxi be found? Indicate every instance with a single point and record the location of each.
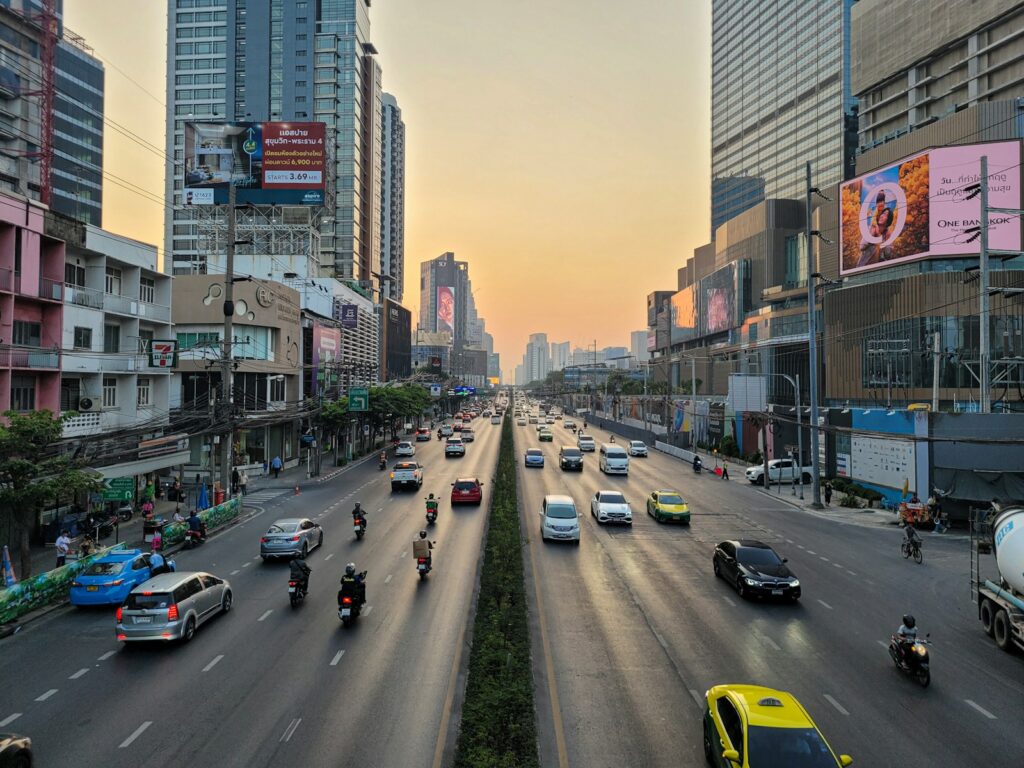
(668, 505)
(750, 726)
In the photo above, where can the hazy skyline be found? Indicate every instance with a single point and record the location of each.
(561, 149)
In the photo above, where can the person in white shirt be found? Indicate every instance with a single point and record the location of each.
(63, 546)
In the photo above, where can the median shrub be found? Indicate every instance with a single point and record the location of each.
(497, 728)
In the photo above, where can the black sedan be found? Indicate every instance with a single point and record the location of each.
(755, 569)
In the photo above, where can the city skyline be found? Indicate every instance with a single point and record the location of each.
(564, 221)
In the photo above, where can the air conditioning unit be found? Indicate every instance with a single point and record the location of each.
(86, 404)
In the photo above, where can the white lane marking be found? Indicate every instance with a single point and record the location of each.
(9, 719)
(404, 553)
(246, 565)
(790, 541)
(839, 707)
(388, 579)
(135, 734)
(79, 673)
(337, 658)
(697, 697)
(380, 509)
(729, 601)
(261, 618)
(769, 642)
(822, 557)
(106, 655)
(256, 558)
(367, 609)
(811, 552)
(851, 573)
(233, 572)
(825, 604)
(837, 565)
(980, 708)
(883, 643)
(801, 546)
(46, 695)
(213, 663)
(328, 557)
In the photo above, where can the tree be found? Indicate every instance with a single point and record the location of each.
(32, 473)
(333, 417)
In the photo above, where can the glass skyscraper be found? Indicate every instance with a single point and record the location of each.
(780, 96)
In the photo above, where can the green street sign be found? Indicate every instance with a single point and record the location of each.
(359, 399)
(119, 489)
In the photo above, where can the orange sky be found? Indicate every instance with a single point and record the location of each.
(561, 148)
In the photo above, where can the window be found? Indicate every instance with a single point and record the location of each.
(111, 338)
(74, 275)
(732, 725)
(26, 333)
(188, 341)
(70, 394)
(147, 289)
(145, 341)
(113, 281)
(277, 389)
(142, 390)
(109, 392)
(23, 393)
(83, 338)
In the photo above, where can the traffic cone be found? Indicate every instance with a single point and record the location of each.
(297, 491)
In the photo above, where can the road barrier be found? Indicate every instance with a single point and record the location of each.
(498, 727)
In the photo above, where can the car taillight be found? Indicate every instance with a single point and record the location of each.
(295, 538)
(118, 614)
(172, 612)
(346, 601)
(264, 539)
(115, 583)
(122, 637)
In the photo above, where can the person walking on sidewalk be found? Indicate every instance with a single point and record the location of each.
(725, 470)
(236, 479)
(276, 466)
(63, 545)
(828, 493)
(243, 481)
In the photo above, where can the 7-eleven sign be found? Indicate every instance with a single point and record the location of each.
(163, 354)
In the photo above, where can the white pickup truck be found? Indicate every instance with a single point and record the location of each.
(779, 471)
(406, 473)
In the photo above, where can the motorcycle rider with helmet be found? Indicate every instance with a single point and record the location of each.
(353, 584)
(358, 515)
(299, 572)
(906, 636)
(421, 548)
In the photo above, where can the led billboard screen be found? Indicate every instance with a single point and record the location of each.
(268, 163)
(718, 301)
(919, 207)
(684, 315)
(446, 308)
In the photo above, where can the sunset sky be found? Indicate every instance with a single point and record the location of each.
(562, 149)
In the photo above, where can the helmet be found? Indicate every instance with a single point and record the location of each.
(423, 534)
(431, 496)
(908, 621)
(358, 505)
(350, 569)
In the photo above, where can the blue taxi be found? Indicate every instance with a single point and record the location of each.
(108, 580)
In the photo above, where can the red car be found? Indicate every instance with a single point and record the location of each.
(467, 490)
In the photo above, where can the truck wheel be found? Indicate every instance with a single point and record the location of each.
(987, 614)
(1001, 630)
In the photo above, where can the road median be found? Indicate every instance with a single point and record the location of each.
(498, 726)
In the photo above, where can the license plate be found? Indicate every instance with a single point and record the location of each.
(291, 589)
(356, 528)
(346, 612)
(92, 589)
(143, 620)
(776, 591)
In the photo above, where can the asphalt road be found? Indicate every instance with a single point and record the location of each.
(266, 685)
(632, 627)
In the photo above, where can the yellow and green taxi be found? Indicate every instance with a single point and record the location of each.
(746, 726)
(665, 506)
(545, 436)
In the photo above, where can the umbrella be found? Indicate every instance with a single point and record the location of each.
(9, 578)
(204, 500)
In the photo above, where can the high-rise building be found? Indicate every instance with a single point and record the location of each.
(446, 299)
(76, 174)
(638, 347)
(780, 96)
(560, 353)
(392, 193)
(538, 357)
(283, 60)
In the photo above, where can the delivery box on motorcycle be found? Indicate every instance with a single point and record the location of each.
(421, 548)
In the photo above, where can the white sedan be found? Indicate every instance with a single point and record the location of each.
(611, 507)
(637, 448)
(405, 448)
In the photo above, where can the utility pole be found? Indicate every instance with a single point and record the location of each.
(983, 373)
(812, 339)
(936, 359)
(227, 385)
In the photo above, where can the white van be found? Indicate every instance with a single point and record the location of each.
(614, 460)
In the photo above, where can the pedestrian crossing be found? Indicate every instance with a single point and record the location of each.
(268, 494)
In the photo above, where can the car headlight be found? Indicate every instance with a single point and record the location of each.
(795, 583)
(752, 582)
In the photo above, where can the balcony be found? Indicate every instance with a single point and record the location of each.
(126, 305)
(51, 290)
(33, 357)
(83, 424)
(119, 363)
(83, 297)
(6, 280)
(155, 312)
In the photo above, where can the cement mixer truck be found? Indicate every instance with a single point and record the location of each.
(1000, 599)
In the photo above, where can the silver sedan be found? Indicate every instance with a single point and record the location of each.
(291, 536)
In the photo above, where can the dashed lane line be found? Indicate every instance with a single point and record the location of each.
(9, 719)
(328, 557)
(811, 552)
(46, 695)
(825, 604)
(837, 565)
(980, 709)
(729, 600)
(290, 730)
(246, 565)
(337, 658)
(823, 558)
(367, 609)
(213, 663)
(851, 573)
(388, 579)
(769, 642)
(839, 707)
(234, 572)
(79, 673)
(106, 655)
(264, 616)
(404, 553)
(135, 734)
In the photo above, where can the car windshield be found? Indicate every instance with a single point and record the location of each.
(561, 511)
(758, 556)
(138, 601)
(283, 528)
(638, 444)
(586, 438)
(571, 453)
(405, 445)
(671, 498)
(534, 452)
(454, 441)
(104, 569)
(466, 485)
(613, 498)
(787, 748)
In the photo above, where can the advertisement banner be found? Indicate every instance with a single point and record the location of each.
(920, 207)
(446, 308)
(268, 163)
(348, 315)
(651, 341)
(718, 301)
(684, 315)
(326, 352)
(163, 353)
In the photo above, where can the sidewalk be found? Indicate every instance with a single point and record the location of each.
(296, 476)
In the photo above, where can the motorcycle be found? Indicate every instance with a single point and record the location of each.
(423, 566)
(431, 516)
(359, 526)
(296, 591)
(914, 660)
(125, 513)
(193, 538)
(697, 466)
(382, 465)
(350, 606)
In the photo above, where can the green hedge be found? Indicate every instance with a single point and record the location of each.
(497, 728)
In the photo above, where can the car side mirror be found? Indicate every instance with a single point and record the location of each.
(731, 755)
(845, 760)
(785, 559)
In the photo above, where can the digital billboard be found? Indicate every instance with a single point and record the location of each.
(717, 297)
(446, 308)
(268, 163)
(919, 207)
(684, 315)
(326, 354)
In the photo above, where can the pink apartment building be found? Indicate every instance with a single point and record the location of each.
(31, 308)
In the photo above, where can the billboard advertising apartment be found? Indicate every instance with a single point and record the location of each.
(918, 208)
(268, 163)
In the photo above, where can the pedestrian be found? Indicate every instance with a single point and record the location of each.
(828, 493)
(147, 509)
(276, 466)
(63, 545)
(243, 481)
(235, 480)
(725, 471)
(157, 542)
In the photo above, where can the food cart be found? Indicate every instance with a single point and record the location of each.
(915, 513)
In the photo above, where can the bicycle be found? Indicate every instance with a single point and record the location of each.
(908, 549)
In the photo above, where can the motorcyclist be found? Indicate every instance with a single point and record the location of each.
(300, 572)
(696, 463)
(358, 515)
(421, 548)
(353, 584)
(196, 524)
(906, 635)
(383, 459)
